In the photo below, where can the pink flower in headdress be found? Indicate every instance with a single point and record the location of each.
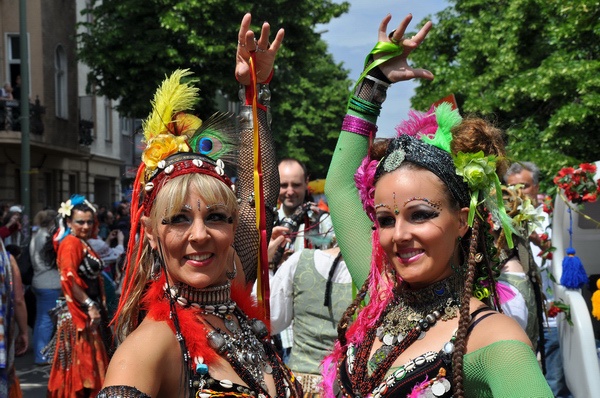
(419, 124)
(364, 180)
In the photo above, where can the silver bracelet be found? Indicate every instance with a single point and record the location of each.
(88, 302)
(264, 98)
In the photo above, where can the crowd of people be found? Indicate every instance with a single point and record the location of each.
(422, 279)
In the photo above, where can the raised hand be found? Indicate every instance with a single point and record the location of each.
(261, 50)
(397, 69)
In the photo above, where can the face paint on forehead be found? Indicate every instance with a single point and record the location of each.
(433, 203)
(396, 210)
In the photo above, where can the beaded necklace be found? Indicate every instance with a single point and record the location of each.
(407, 317)
(246, 347)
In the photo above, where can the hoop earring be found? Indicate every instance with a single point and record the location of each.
(156, 265)
(232, 274)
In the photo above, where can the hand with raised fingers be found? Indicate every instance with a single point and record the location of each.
(260, 50)
(397, 68)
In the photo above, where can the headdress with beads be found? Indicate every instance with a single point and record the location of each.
(180, 143)
(470, 177)
(177, 143)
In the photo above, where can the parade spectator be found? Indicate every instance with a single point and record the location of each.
(519, 283)
(6, 92)
(526, 175)
(10, 231)
(312, 289)
(300, 223)
(105, 224)
(45, 282)
(14, 332)
(307, 225)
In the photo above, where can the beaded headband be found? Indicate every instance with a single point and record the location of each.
(180, 164)
(179, 143)
(434, 159)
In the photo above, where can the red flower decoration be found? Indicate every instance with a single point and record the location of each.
(548, 204)
(588, 167)
(578, 184)
(557, 307)
(553, 311)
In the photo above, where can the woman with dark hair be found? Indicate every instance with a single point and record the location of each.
(430, 327)
(82, 335)
(189, 325)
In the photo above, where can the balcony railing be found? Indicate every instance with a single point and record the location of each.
(10, 116)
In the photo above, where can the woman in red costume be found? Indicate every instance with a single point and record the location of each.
(82, 336)
(201, 334)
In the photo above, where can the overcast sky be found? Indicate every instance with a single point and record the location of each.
(354, 34)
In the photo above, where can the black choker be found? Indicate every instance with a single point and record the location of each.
(215, 299)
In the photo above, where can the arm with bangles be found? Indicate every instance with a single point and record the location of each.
(263, 56)
(388, 64)
(69, 255)
(89, 306)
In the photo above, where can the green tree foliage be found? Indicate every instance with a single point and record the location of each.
(531, 66)
(130, 45)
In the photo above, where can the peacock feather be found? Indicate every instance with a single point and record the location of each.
(217, 138)
(172, 97)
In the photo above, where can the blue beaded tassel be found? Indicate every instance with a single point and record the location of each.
(573, 273)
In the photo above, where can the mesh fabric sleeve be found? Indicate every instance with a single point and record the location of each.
(505, 368)
(247, 238)
(121, 392)
(351, 224)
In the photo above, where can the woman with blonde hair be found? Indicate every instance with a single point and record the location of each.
(189, 325)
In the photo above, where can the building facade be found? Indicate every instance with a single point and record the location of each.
(76, 138)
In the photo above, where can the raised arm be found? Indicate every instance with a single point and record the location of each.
(387, 64)
(263, 56)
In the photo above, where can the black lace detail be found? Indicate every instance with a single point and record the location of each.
(91, 266)
(121, 392)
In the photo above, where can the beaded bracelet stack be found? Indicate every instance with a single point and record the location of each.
(363, 106)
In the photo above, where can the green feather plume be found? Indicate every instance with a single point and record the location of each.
(446, 119)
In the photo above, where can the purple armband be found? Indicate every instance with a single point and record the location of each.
(357, 125)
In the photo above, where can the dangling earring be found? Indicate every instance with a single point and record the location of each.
(232, 274)
(391, 273)
(156, 265)
(458, 269)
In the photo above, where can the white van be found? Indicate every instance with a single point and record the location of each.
(578, 342)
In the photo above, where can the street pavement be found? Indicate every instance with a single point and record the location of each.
(33, 378)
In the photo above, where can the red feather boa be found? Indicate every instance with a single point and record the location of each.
(192, 329)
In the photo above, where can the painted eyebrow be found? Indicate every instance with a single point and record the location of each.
(433, 203)
(216, 206)
(379, 205)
